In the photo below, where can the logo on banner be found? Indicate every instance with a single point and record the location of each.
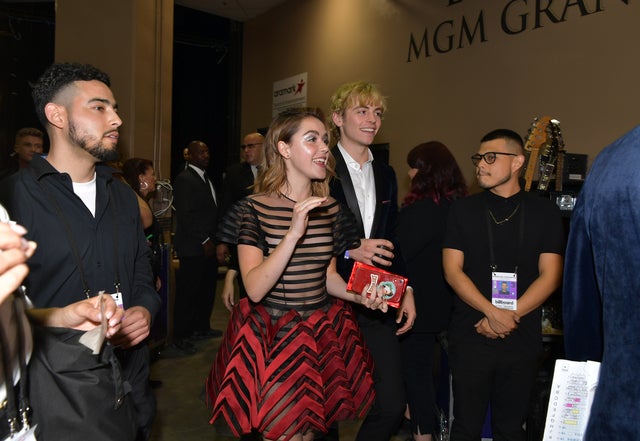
(290, 92)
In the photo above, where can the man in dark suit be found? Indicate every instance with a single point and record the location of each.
(237, 184)
(239, 177)
(196, 222)
(370, 189)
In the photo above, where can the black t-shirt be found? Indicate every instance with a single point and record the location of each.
(534, 228)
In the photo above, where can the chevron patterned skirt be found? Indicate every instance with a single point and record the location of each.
(288, 372)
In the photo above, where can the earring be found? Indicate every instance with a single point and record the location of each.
(145, 185)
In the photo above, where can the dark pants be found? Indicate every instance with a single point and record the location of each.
(418, 356)
(385, 416)
(488, 375)
(195, 294)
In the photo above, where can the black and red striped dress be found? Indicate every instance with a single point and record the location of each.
(295, 361)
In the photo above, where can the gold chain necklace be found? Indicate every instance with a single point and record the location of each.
(506, 219)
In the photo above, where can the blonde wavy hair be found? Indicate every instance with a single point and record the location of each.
(358, 93)
(272, 177)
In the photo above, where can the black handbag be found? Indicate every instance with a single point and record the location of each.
(76, 395)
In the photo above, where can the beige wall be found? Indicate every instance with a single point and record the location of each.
(133, 42)
(582, 71)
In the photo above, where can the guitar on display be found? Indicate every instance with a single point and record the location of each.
(542, 147)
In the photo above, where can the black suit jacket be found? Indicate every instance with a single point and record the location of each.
(386, 212)
(236, 185)
(196, 213)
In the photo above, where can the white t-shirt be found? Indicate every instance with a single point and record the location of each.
(87, 192)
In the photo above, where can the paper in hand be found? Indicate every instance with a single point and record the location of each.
(94, 338)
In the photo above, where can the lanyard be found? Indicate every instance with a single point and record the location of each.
(492, 256)
(72, 242)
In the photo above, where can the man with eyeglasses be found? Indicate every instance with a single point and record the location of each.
(500, 235)
(237, 184)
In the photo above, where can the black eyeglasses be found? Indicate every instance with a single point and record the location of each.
(489, 157)
(250, 146)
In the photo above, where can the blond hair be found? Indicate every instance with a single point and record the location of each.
(358, 93)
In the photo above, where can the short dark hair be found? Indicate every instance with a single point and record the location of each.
(58, 76)
(193, 145)
(133, 167)
(506, 134)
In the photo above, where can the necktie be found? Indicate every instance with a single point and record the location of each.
(213, 191)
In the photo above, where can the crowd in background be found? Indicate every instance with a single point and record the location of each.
(301, 352)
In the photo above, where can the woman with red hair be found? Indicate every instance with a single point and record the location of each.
(436, 180)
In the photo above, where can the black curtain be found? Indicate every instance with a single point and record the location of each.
(206, 84)
(27, 32)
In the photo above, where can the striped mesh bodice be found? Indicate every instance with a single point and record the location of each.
(262, 221)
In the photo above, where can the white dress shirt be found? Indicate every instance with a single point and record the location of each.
(364, 185)
(201, 174)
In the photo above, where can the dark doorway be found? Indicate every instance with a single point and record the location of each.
(206, 78)
(27, 32)
(206, 85)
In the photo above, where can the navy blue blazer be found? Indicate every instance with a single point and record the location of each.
(196, 213)
(601, 287)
